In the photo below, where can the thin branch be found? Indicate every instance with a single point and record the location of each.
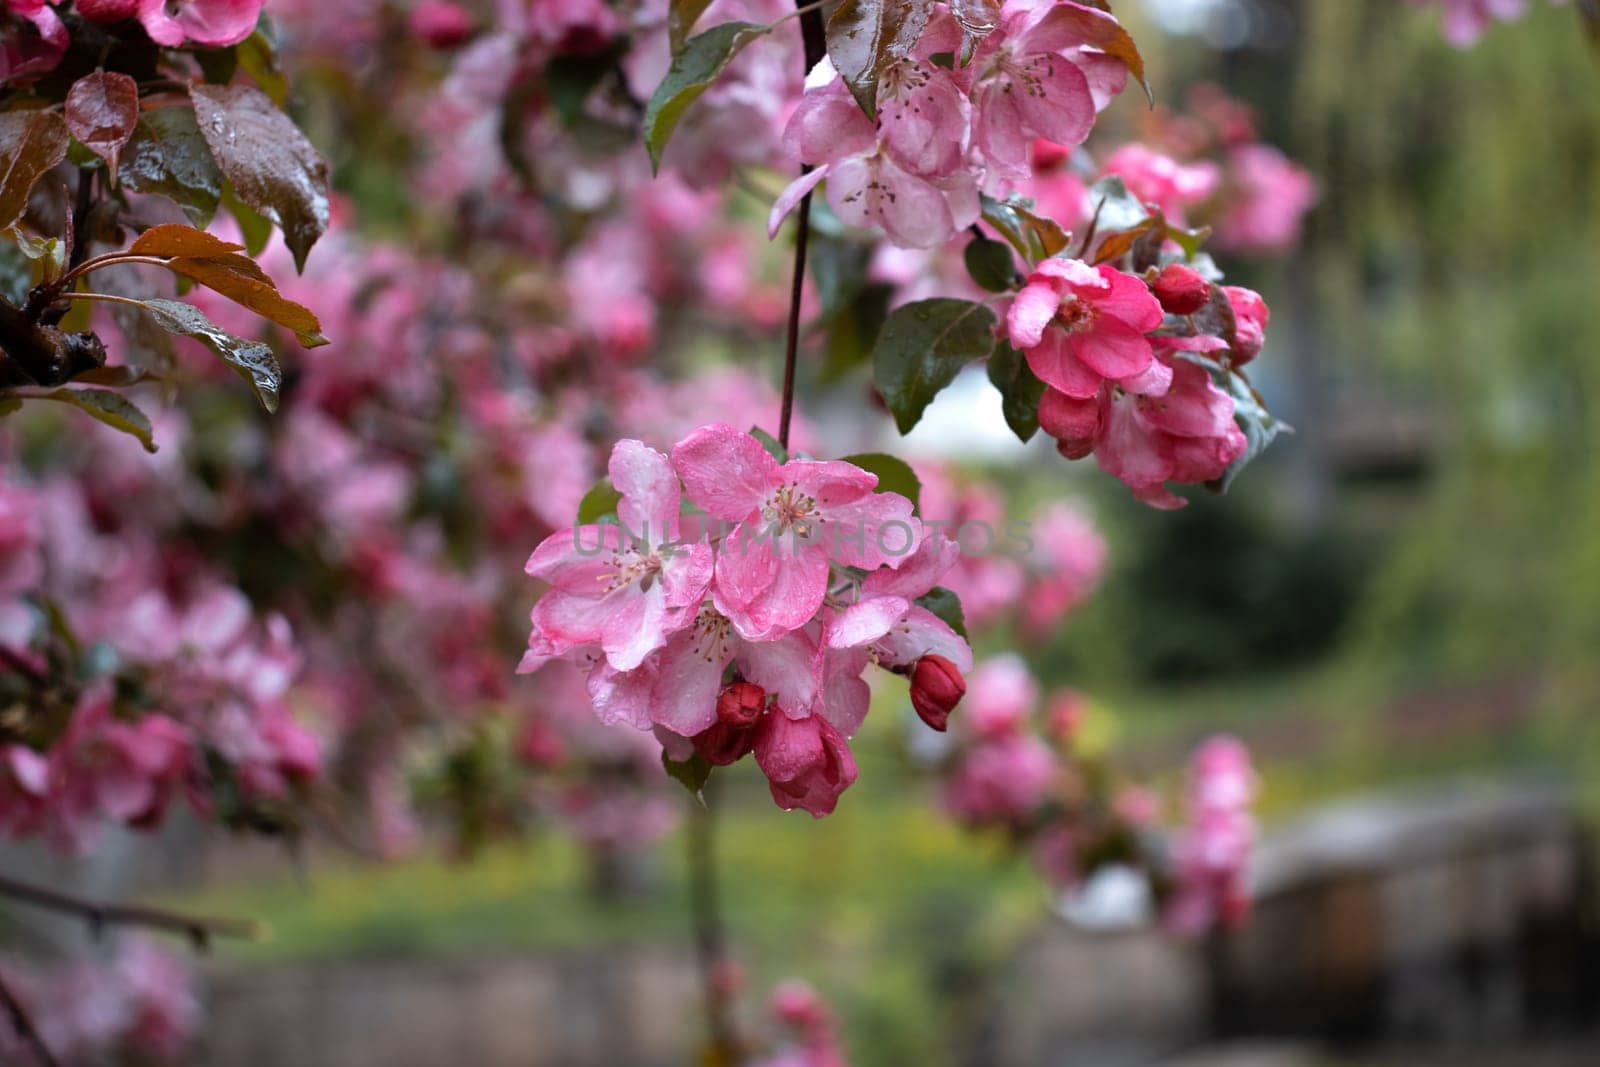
(23, 1023)
(97, 914)
(814, 37)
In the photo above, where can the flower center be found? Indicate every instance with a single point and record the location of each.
(790, 509)
(710, 634)
(629, 566)
(1075, 315)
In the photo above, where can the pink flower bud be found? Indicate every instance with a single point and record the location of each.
(442, 24)
(740, 705)
(107, 11)
(1181, 290)
(722, 745)
(1048, 154)
(936, 688)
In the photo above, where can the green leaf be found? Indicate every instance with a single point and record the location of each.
(1033, 236)
(1261, 428)
(990, 264)
(272, 166)
(692, 773)
(1020, 390)
(598, 503)
(167, 157)
(773, 446)
(252, 360)
(947, 606)
(922, 348)
(31, 143)
(702, 59)
(113, 409)
(681, 17)
(865, 36)
(570, 81)
(894, 475)
(1115, 208)
(219, 65)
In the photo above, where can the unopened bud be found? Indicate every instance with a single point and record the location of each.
(936, 688)
(722, 745)
(107, 11)
(740, 705)
(1181, 290)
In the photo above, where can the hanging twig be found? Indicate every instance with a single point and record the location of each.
(198, 929)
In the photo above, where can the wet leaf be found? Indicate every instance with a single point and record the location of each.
(921, 349)
(175, 240)
(108, 407)
(31, 143)
(1020, 390)
(1261, 428)
(693, 70)
(990, 264)
(102, 111)
(167, 157)
(865, 36)
(252, 360)
(773, 446)
(272, 166)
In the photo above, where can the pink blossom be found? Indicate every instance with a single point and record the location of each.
(1036, 79)
(1212, 856)
(214, 23)
(623, 587)
(1001, 695)
(1002, 780)
(806, 761)
(24, 55)
(794, 519)
(1268, 197)
(1081, 326)
(1251, 316)
(1173, 187)
(895, 184)
(1069, 557)
(1187, 434)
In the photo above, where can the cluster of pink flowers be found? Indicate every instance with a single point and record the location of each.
(1143, 402)
(944, 133)
(207, 23)
(752, 632)
(1005, 772)
(138, 1006)
(1211, 857)
(172, 683)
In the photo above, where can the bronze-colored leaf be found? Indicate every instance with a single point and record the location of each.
(175, 240)
(31, 144)
(241, 280)
(681, 17)
(272, 166)
(865, 36)
(102, 111)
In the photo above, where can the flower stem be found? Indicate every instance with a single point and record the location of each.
(814, 38)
